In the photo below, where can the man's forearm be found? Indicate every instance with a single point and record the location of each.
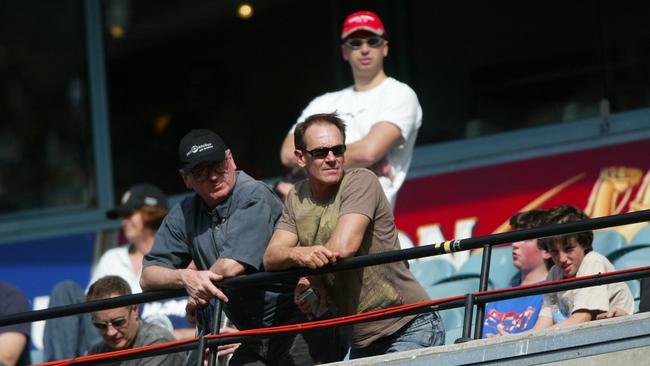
(158, 277)
(278, 258)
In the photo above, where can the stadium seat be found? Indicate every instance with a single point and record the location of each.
(501, 268)
(428, 272)
(452, 318)
(618, 253)
(459, 284)
(641, 237)
(634, 259)
(607, 241)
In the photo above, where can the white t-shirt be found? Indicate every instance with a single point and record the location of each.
(560, 305)
(391, 101)
(116, 262)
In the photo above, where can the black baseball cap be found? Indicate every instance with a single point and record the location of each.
(139, 195)
(199, 146)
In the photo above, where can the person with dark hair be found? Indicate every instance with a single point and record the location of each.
(520, 314)
(121, 328)
(339, 213)
(221, 231)
(574, 256)
(382, 115)
(14, 339)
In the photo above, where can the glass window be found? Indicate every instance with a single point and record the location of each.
(479, 67)
(483, 67)
(199, 65)
(45, 136)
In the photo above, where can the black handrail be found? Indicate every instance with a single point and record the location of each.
(256, 279)
(479, 296)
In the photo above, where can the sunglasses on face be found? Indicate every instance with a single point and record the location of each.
(356, 43)
(203, 172)
(322, 152)
(116, 323)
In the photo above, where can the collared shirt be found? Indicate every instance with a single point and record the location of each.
(239, 228)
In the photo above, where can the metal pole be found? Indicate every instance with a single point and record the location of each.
(485, 279)
(467, 322)
(216, 324)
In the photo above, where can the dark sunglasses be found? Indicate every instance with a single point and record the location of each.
(322, 152)
(356, 43)
(116, 323)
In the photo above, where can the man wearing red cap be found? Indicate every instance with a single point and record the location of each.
(382, 115)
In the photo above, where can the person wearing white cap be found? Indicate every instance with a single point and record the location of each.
(382, 115)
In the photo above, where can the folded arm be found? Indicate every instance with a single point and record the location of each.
(373, 147)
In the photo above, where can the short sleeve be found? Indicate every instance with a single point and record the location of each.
(13, 301)
(249, 229)
(360, 193)
(170, 247)
(288, 220)
(401, 108)
(594, 298)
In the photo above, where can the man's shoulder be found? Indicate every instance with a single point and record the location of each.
(98, 347)
(356, 174)
(249, 187)
(401, 87)
(7, 289)
(331, 96)
(152, 334)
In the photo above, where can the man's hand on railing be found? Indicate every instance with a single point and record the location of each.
(200, 286)
(315, 256)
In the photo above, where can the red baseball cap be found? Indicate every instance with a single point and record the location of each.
(362, 20)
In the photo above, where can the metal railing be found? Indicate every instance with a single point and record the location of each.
(479, 298)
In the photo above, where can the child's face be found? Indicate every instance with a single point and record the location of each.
(526, 256)
(568, 258)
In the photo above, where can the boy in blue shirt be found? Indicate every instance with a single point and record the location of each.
(520, 314)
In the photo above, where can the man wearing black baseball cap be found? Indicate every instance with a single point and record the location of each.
(222, 231)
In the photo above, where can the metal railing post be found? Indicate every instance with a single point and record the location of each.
(467, 321)
(216, 324)
(485, 280)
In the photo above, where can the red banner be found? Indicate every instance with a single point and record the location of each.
(601, 181)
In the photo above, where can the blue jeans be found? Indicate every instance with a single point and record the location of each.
(425, 330)
(69, 336)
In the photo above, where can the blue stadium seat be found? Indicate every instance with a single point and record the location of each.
(459, 284)
(634, 259)
(641, 237)
(607, 241)
(452, 318)
(618, 253)
(453, 334)
(501, 268)
(428, 272)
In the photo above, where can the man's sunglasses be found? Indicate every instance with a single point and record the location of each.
(116, 323)
(356, 43)
(322, 152)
